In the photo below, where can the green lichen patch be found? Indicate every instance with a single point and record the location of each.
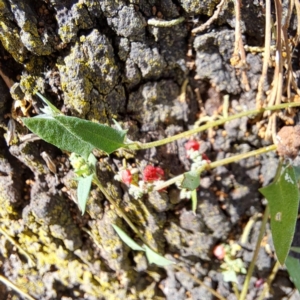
(11, 41)
(89, 66)
(199, 7)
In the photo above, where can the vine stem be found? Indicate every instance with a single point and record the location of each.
(15, 288)
(132, 226)
(120, 212)
(140, 146)
(218, 163)
(256, 251)
(257, 247)
(269, 281)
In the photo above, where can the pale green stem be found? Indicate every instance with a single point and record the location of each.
(20, 249)
(277, 264)
(235, 290)
(15, 288)
(218, 163)
(120, 212)
(256, 251)
(269, 281)
(128, 221)
(163, 23)
(248, 227)
(139, 146)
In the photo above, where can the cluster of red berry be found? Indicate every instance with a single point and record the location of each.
(150, 174)
(193, 145)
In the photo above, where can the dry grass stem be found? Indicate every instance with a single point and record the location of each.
(238, 59)
(211, 19)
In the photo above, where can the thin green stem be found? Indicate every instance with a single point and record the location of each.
(140, 146)
(269, 281)
(132, 226)
(278, 171)
(248, 227)
(235, 289)
(120, 212)
(238, 157)
(277, 264)
(215, 164)
(163, 23)
(21, 250)
(15, 288)
(123, 215)
(256, 251)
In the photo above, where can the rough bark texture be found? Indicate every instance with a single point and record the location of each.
(99, 60)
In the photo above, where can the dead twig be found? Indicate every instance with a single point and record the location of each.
(269, 281)
(263, 77)
(276, 92)
(238, 59)
(211, 19)
(9, 82)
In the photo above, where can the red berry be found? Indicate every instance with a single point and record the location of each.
(151, 173)
(192, 144)
(126, 176)
(259, 283)
(219, 252)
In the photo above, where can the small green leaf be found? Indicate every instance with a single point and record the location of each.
(293, 267)
(126, 239)
(76, 135)
(83, 190)
(92, 160)
(53, 109)
(117, 124)
(229, 276)
(283, 199)
(191, 180)
(157, 259)
(194, 200)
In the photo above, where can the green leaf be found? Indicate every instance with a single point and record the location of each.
(152, 256)
(194, 200)
(76, 135)
(156, 258)
(283, 199)
(92, 161)
(229, 276)
(293, 267)
(117, 124)
(50, 130)
(126, 239)
(83, 191)
(191, 180)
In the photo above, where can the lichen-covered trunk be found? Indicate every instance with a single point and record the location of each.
(101, 60)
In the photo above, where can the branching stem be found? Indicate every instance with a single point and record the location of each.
(219, 163)
(253, 112)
